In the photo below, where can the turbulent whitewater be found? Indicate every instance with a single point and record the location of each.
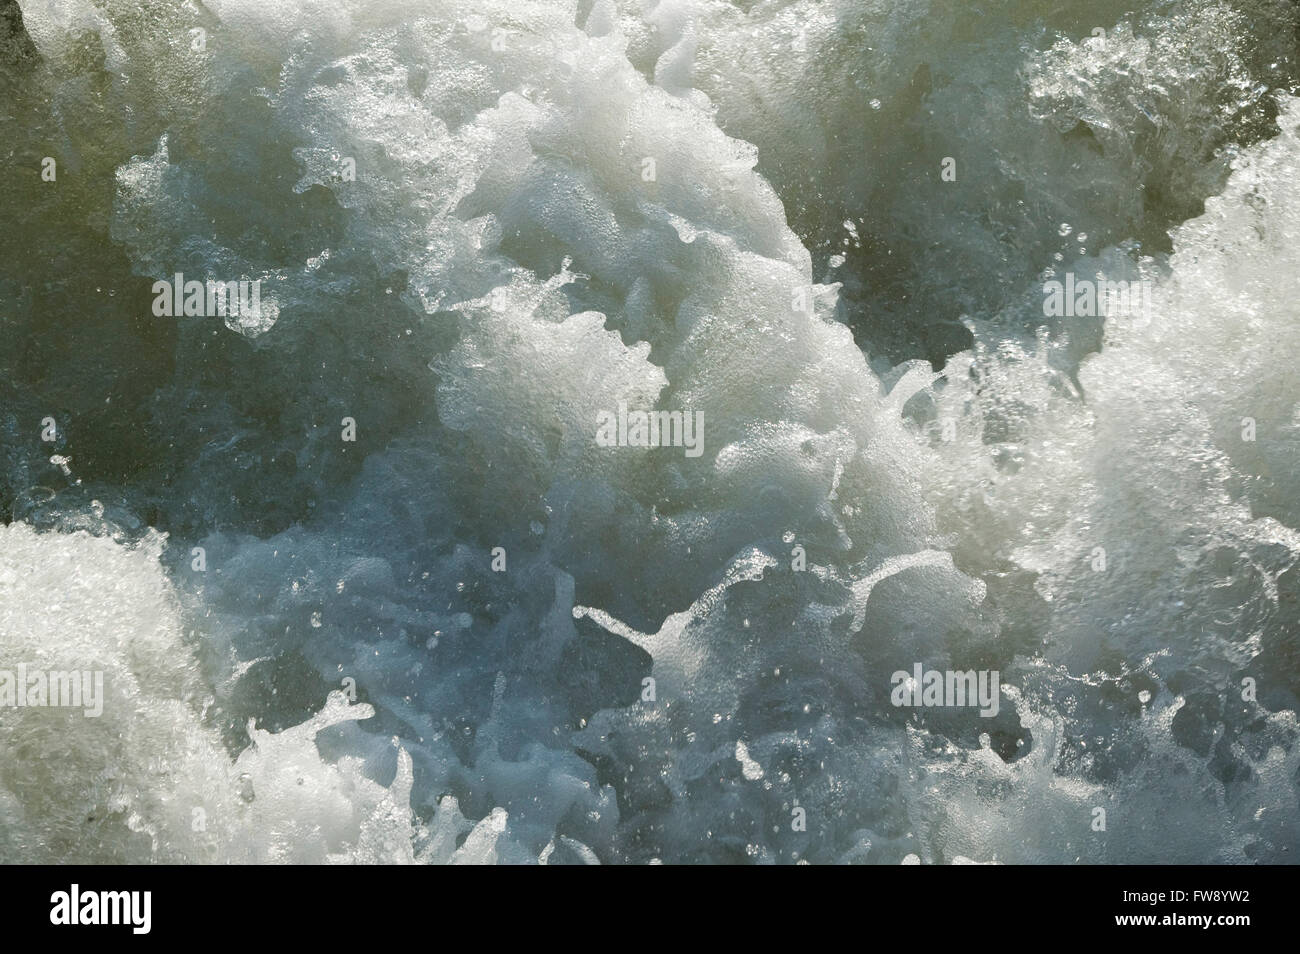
(364, 584)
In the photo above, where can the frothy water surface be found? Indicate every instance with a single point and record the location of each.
(474, 632)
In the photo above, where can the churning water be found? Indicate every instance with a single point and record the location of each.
(376, 553)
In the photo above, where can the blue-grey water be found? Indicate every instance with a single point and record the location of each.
(363, 577)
